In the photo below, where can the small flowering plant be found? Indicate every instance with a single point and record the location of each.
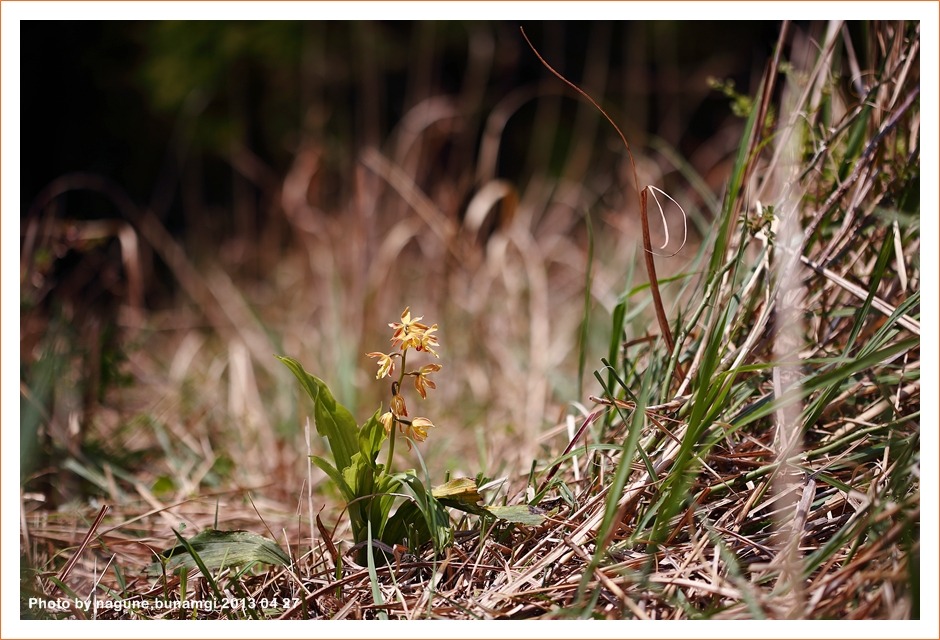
(410, 333)
(371, 489)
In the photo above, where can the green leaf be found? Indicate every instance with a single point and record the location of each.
(371, 437)
(463, 494)
(383, 500)
(406, 523)
(358, 488)
(358, 485)
(333, 420)
(335, 476)
(337, 424)
(369, 499)
(218, 549)
(432, 513)
(524, 514)
(459, 489)
(373, 486)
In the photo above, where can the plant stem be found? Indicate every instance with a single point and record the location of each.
(391, 436)
(661, 318)
(391, 449)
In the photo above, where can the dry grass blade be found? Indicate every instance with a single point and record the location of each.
(762, 461)
(64, 574)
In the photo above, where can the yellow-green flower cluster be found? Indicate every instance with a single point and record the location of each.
(410, 333)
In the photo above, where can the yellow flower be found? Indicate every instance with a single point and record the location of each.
(387, 419)
(408, 330)
(424, 341)
(422, 380)
(398, 406)
(418, 429)
(386, 364)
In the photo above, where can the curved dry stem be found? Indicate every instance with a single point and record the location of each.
(662, 214)
(647, 243)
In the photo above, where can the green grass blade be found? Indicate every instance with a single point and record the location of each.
(815, 383)
(586, 313)
(619, 481)
(197, 560)
(729, 206)
(373, 575)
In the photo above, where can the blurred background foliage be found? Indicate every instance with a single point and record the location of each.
(199, 195)
(129, 99)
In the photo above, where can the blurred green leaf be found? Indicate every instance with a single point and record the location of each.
(524, 514)
(218, 549)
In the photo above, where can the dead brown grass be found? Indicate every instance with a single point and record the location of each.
(214, 428)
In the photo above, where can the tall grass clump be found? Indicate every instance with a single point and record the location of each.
(765, 482)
